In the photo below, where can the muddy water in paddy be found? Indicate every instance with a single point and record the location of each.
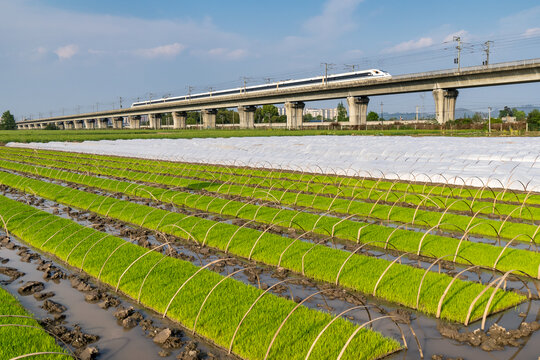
(115, 342)
(426, 328)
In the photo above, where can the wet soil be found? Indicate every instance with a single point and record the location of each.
(81, 313)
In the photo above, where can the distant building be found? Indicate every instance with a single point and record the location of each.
(508, 119)
(324, 113)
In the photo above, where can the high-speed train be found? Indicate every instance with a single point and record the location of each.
(337, 78)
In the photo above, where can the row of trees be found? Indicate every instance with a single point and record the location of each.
(533, 118)
(7, 122)
(270, 114)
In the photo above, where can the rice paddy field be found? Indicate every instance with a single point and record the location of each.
(324, 247)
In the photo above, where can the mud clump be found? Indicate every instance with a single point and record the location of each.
(93, 294)
(190, 352)
(129, 322)
(121, 313)
(10, 272)
(253, 274)
(30, 287)
(43, 295)
(442, 357)
(90, 353)
(74, 337)
(53, 307)
(496, 338)
(26, 255)
(51, 272)
(280, 273)
(128, 318)
(401, 316)
(167, 338)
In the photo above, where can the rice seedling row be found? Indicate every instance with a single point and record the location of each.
(467, 203)
(125, 266)
(362, 197)
(362, 273)
(443, 219)
(341, 184)
(21, 334)
(502, 258)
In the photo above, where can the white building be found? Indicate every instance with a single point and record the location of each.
(324, 113)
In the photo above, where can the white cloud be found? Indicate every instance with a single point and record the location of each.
(410, 45)
(167, 51)
(66, 52)
(460, 33)
(523, 19)
(336, 18)
(41, 50)
(354, 52)
(227, 54)
(99, 35)
(531, 32)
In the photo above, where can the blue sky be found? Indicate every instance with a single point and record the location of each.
(85, 55)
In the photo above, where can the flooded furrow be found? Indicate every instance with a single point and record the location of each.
(436, 336)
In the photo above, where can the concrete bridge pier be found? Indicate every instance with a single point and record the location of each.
(450, 98)
(247, 117)
(155, 121)
(102, 123)
(68, 125)
(134, 121)
(88, 124)
(209, 118)
(179, 119)
(60, 125)
(295, 114)
(118, 122)
(357, 110)
(78, 124)
(445, 104)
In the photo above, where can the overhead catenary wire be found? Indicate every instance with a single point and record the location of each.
(471, 50)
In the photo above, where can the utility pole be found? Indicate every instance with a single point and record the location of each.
(381, 112)
(327, 66)
(189, 89)
(245, 79)
(351, 67)
(210, 89)
(489, 119)
(458, 47)
(486, 50)
(417, 113)
(120, 102)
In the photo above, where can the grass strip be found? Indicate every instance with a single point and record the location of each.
(105, 257)
(26, 136)
(400, 284)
